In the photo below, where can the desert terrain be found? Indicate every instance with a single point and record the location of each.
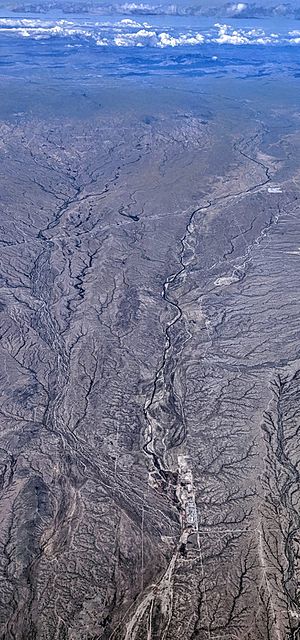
(150, 371)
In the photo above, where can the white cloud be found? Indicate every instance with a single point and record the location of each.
(128, 22)
(140, 38)
(237, 8)
(102, 42)
(167, 40)
(227, 35)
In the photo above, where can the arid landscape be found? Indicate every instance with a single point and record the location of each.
(150, 372)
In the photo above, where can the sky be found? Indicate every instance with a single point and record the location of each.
(148, 7)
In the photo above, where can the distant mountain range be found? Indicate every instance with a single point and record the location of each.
(182, 8)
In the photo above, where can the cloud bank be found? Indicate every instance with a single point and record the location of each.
(129, 32)
(229, 9)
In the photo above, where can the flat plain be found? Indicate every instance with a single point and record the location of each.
(150, 371)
